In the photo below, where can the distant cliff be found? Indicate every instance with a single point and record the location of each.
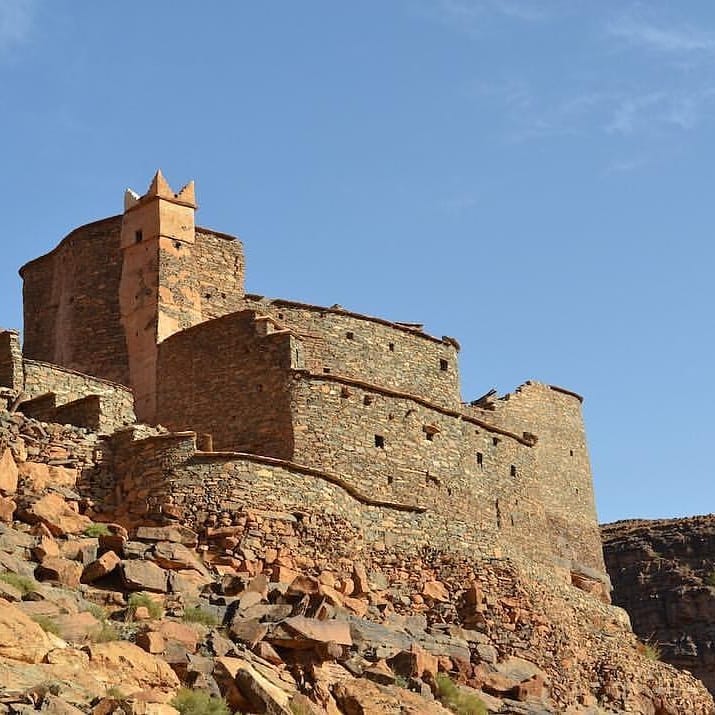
(663, 574)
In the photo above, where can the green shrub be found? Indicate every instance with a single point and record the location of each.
(22, 583)
(401, 682)
(196, 614)
(197, 702)
(97, 611)
(96, 530)
(47, 624)
(108, 633)
(136, 600)
(710, 579)
(456, 700)
(651, 651)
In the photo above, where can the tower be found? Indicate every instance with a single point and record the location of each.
(159, 292)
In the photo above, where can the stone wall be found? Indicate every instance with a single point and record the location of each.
(165, 474)
(371, 349)
(11, 372)
(230, 377)
(562, 468)
(221, 269)
(71, 303)
(113, 410)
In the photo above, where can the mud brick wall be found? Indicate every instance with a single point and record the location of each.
(11, 372)
(563, 467)
(230, 377)
(71, 303)
(115, 409)
(370, 349)
(220, 268)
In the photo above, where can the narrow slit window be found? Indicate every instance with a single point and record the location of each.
(138, 236)
(480, 459)
(443, 365)
(391, 347)
(379, 441)
(571, 452)
(495, 441)
(429, 436)
(350, 335)
(326, 370)
(512, 471)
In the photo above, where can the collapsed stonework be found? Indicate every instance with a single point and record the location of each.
(287, 406)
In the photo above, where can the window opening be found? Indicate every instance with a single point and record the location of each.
(138, 236)
(379, 441)
(443, 365)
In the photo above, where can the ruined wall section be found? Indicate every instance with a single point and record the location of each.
(220, 268)
(11, 370)
(113, 408)
(166, 475)
(230, 377)
(339, 342)
(71, 303)
(563, 467)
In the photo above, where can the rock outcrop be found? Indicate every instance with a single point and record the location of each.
(663, 574)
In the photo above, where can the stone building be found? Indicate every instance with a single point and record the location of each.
(296, 406)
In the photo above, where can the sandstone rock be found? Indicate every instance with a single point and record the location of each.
(151, 642)
(9, 593)
(37, 477)
(8, 473)
(143, 576)
(181, 633)
(177, 534)
(304, 586)
(65, 572)
(362, 697)
(53, 705)
(415, 663)
(255, 688)
(78, 627)
(436, 591)
(124, 663)
(176, 557)
(100, 568)
(247, 630)
(20, 637)
(189, 583)
(7, 510)
(53, 511)
(362, 586)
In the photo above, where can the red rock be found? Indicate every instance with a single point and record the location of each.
(57, 515)
(362, 586)
(64, 571)
(7, 509)
(151, 642)
(103, 566)
(8, 473)
(304, 586)
(282, 574)
(436, 591)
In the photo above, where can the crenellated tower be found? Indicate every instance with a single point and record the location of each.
(159, 292)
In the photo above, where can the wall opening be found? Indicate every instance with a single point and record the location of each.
(326, 370)
(512, 470)
(391, 347)
(480, 459)
(571, 452)
(379, 441)
(138, 236)
(495, 441)
(350, 335)
(443, 365)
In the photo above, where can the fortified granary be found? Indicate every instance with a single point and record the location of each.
(138, 327)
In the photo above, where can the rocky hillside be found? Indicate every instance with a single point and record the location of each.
(663, 574)
(117, 618)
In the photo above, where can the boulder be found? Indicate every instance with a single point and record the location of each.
(436, 591)
(170, 555)
(64, 571)
(176, 534)
(363, 697)
(127, 665)
(100, 568)
(151, 642)
(56, 514)
(143, 576)
(7, 510)
(78, 627)
(20, 637)
(8, 473)
(37, 477)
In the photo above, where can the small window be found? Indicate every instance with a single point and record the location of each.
(280, 316)
(350, 335)
(443, 365)
(379, 441)
(177, 245)
(480, 459)
(390, 479)
(429, 436)
(138, 236)
(367, 400)
(513, 470)
(495, 441)
(391, 346)
(326, 370)
(571, 452)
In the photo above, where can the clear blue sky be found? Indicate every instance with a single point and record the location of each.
(533, 177)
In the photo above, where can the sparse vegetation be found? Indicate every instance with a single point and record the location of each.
(401, 682)
(197, 702)
(456, 700)
(47, 624)
(710, 579)
(108, 633)
(137, 600)
(651, 651)
(22, 583)
(94, 531)
(196, 614)
(97, 611)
